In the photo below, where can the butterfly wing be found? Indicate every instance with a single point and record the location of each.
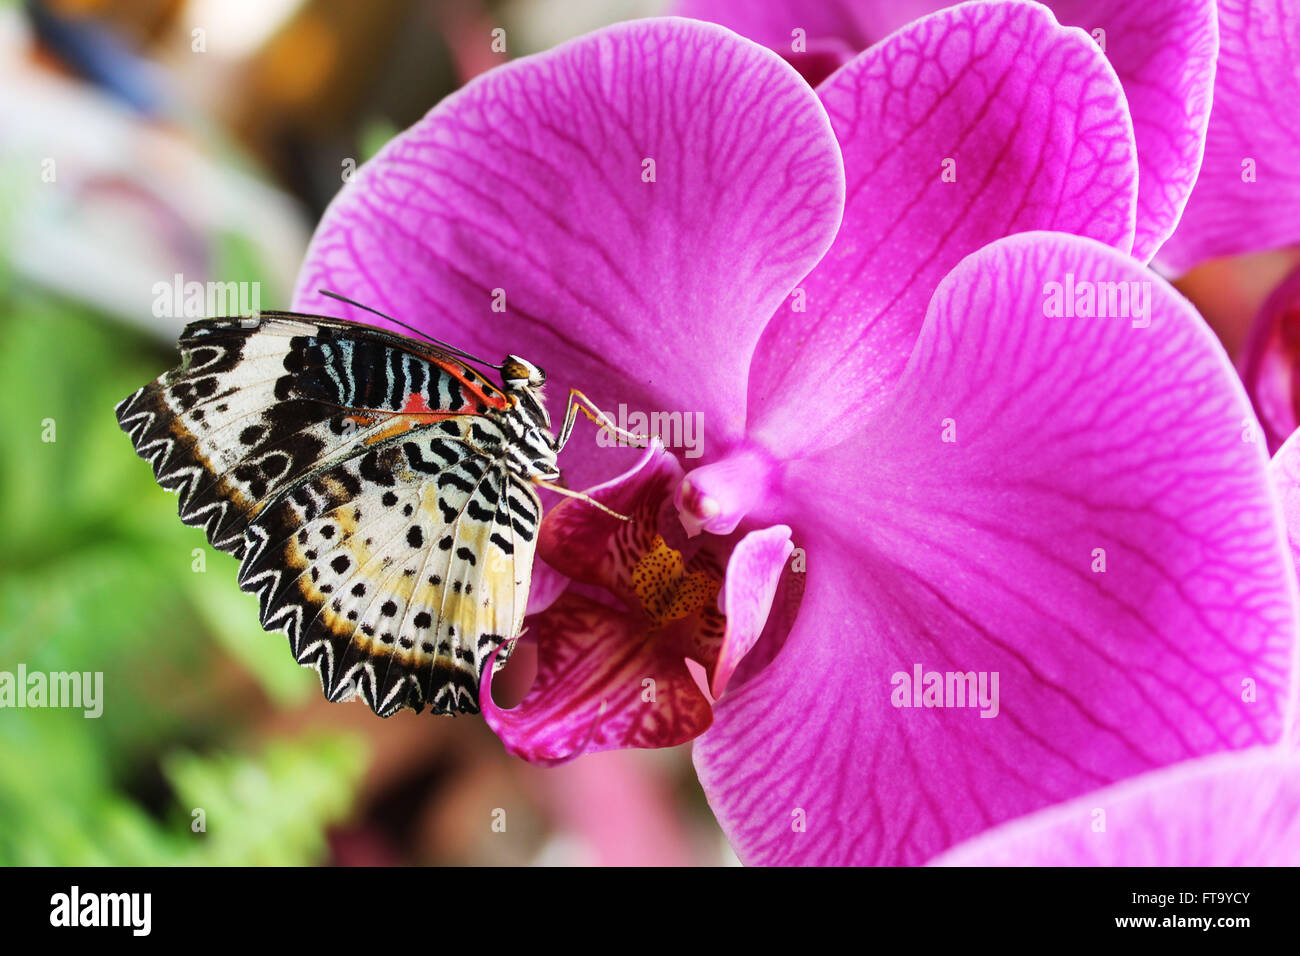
(256, 405)
(357, 476)
(397, 587)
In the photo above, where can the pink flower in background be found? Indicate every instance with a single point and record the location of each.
(977, 480)
(1271, 364)
(1247, 196)
(615, 810)
(1163, 52)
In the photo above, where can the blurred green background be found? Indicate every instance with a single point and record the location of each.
(98, 575)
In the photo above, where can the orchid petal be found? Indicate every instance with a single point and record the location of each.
(1030, 119)
(753, 575)
(1164, 53)
(1162, 50)
(1238, 809)
(1065, 502)
(773, 22)
(532, 189)
(1248, 195)
(546, 586)
(1284, 469)
(809, 32)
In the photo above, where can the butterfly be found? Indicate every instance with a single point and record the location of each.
(379, 493)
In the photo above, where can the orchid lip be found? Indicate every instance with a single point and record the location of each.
(718, 496)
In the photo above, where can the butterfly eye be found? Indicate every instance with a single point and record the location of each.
(518, 372)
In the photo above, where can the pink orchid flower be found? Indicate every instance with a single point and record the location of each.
(637, 243)
(863, 292)
(1270, 366)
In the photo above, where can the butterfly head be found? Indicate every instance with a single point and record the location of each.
(523, 382)
(518, 374)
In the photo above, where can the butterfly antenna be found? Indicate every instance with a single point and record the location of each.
(438, 342)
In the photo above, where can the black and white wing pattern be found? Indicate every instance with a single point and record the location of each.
(362, 480)
(397, 573)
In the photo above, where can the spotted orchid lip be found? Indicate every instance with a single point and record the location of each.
(599, 659)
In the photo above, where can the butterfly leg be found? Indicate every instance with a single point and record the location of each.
(579, 402)
(569, 493)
